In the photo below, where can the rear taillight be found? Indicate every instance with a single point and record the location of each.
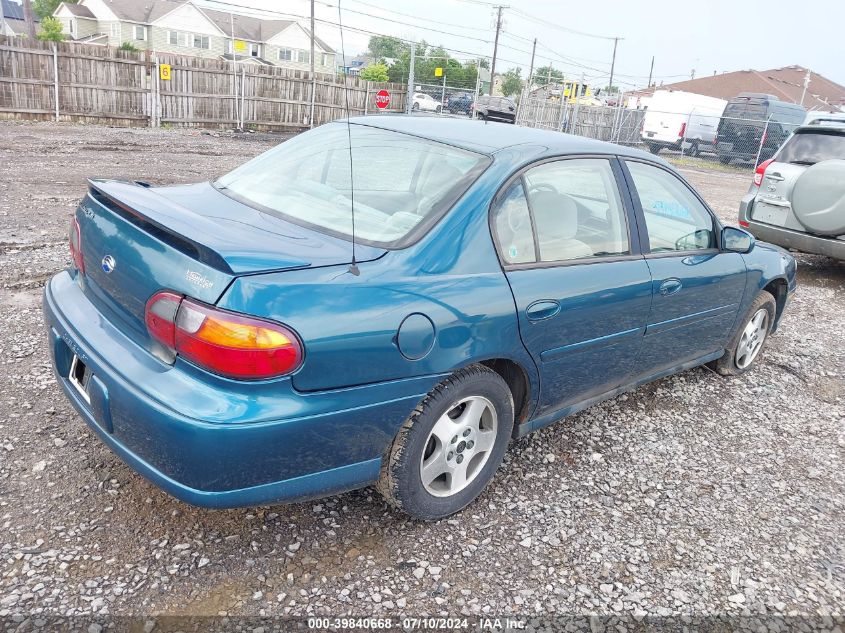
(761, 171)
(744, 224)
(75, 241)
(226, 343)
(683, 131)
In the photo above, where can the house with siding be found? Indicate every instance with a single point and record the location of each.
(183, 27)
(11, 18)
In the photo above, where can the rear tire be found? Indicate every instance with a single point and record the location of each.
(725, 160)
(415, 107)
(449, 448)
(654, 149)
(750, 337)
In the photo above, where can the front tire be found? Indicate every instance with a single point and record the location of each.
(748, 341)
(415, 107)
(653, 148)
(448, 450)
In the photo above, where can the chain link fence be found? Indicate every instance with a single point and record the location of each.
(704, 137)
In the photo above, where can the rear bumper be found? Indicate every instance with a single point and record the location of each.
(214, 442)
(797, 240)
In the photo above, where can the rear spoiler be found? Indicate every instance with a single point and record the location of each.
(132, 200)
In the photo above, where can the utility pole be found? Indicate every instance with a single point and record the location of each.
(806, 84)
(496, 46)
(409, 100)
(650, 71)
(531, 68)
(313, 76)
(28, 19)
(613, 61)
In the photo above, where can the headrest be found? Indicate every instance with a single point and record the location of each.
(555, 214)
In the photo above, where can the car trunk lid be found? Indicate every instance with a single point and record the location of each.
(774, 198)
(190, 239)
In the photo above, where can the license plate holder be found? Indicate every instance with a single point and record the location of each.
(770, 213)
(80, 377)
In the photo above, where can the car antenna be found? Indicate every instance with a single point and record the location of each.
(353, 267)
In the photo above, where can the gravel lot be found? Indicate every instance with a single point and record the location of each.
(695, 495)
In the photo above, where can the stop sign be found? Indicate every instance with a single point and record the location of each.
(382, 99)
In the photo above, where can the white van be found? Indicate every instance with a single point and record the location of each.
(676, 118)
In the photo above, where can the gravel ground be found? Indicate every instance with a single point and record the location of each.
(695, 495)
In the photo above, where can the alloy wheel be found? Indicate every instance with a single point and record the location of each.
(458, 447)
(752, 338)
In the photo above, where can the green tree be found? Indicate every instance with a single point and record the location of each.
(128, 46)
(382, 46)
(611, 90)
(51, 30)
(511, 82)
(546, 74)
(375, 72)
(45, 8)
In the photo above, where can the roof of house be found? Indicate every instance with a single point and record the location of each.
(786, 84)
(11, 10)
(144, 11)
(79, 10)
(245, 26)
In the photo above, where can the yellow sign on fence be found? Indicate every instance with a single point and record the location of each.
(438, 72)
(164, 71)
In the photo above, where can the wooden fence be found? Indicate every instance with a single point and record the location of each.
(98, 84)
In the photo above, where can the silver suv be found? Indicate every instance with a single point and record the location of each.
(797, 199)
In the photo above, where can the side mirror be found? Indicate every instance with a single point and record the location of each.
(737, 240)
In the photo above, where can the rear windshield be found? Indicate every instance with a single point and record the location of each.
(809, 148)
(745, 110)
(401, 182)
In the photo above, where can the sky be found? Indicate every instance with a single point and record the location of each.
(683, 37)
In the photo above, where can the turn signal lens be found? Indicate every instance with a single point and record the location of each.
(75, 240)
(226, 343)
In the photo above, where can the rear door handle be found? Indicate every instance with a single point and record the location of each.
(542, 309)
(670, 287)
(774, 176)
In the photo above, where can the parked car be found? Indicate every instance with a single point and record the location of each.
(246, 342)
(797, 198)
(681, 120)
(425, 103)
(495, 109)
(755, 124)
(460, 104)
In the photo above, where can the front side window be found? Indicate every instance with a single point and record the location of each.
(577, 210)
(140, 32)
(400, 181)
(675, 219)
(285, 54)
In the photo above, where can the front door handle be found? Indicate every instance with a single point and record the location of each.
(670, 287)
(542, 309)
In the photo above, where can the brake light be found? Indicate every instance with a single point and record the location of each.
(226, 343)
(682, 133)
(761, 171)
(75, 241)
(744, 224)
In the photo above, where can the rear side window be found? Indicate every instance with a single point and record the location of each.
(512, 223)
(577, 210)
(675, 219)
(809, 148)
